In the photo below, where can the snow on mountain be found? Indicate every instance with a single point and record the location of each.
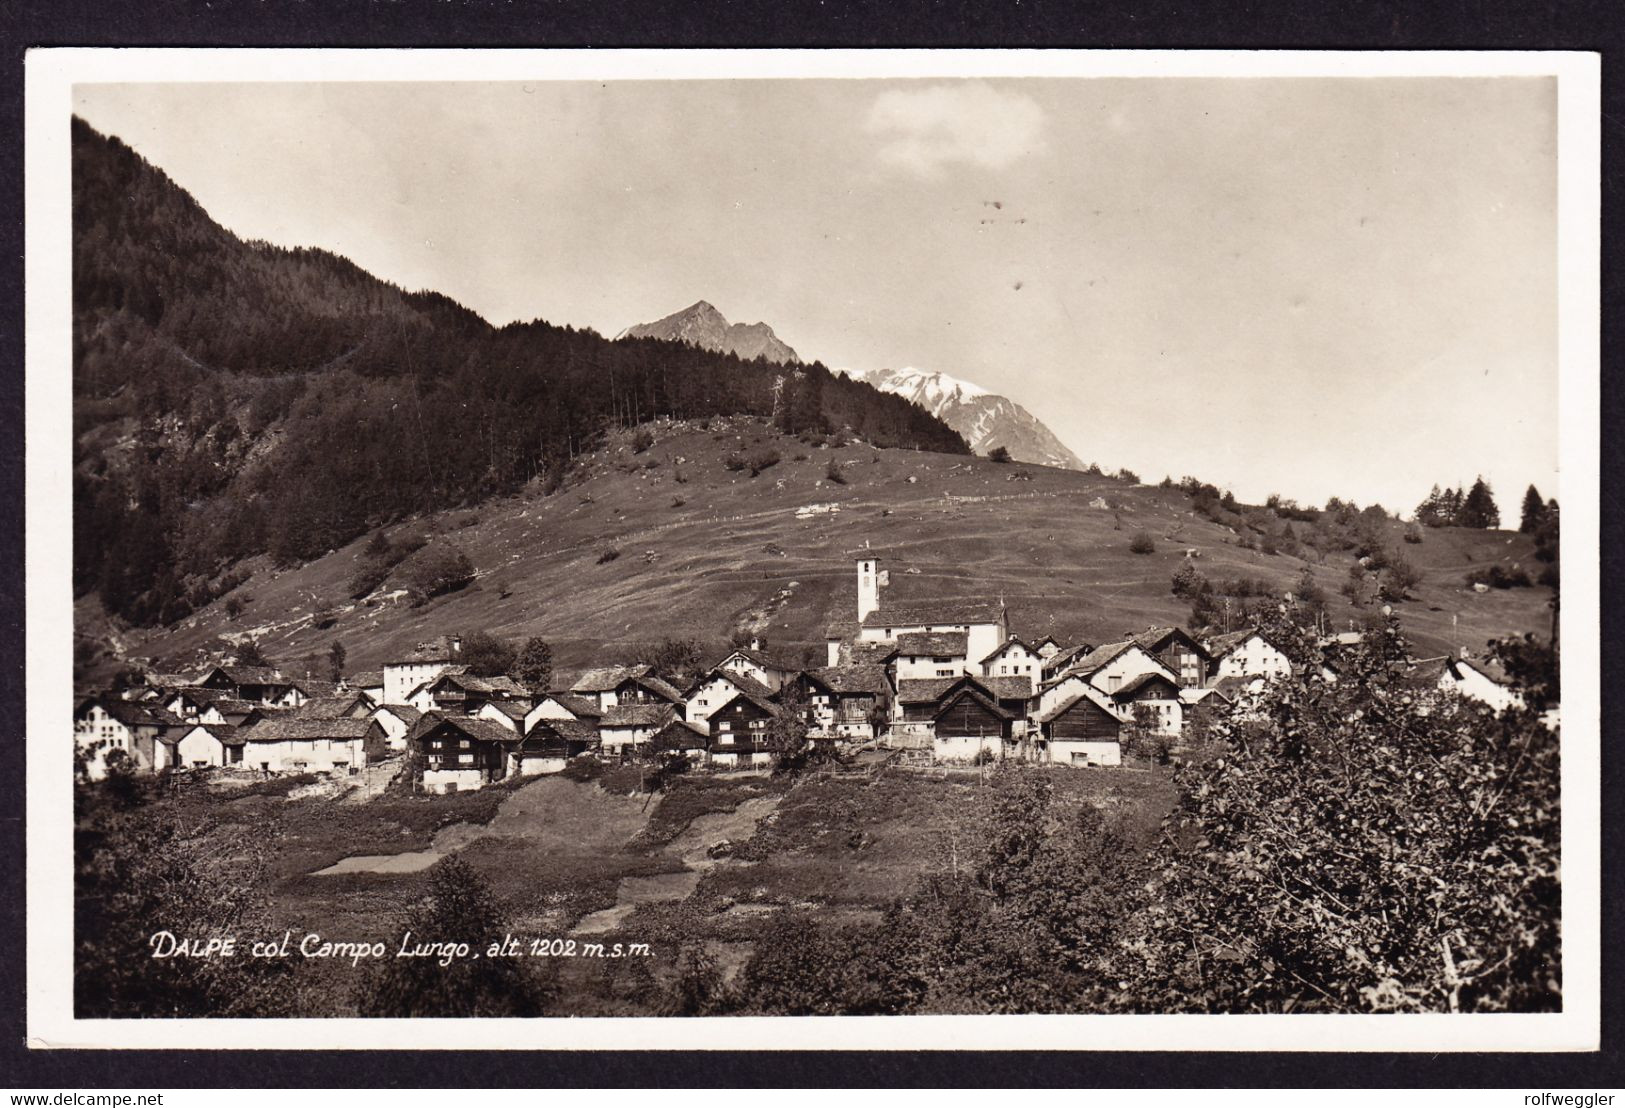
(985, 419)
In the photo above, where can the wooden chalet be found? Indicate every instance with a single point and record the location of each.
(625, 729)
(257, 684)
(716, 688)
(846, 701)
(457, 690)
(682, 737)
(1175, 648)
(459, 753)
(550, 744)
(613, 685)
(758, 665)
(968, 722)
(738, 730)
(1081, 730)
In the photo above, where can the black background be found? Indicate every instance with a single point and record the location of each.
(1464, 24)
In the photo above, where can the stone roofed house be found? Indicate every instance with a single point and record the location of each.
(459, 753)
(315, 689)
(1465, 678)
(968, 723)
(421, 664)
(625, 728)
(931, 654)
(635, 684)
(557, 705)
(1082, 729)
(285, 744)
(201, 745)
(1246, 653)
(1107, 668)
(846, 701)
(369, 683)
(1046, 647)
(1014, 658)
(397, 720)
(1060, 659)
(739, 730)
(191, 703)
(716, 688)
(757, 664)
(1154, 699)
(509, 713)
(918, 701)
(548, 746)
(105, 726)
(683, 737)
(351, 706)
(257, 684)
(1180, 652)
(457, 690)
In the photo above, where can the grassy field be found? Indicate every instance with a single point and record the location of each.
(837, 846)
(705, 552)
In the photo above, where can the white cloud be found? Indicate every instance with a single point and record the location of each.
(927, 128)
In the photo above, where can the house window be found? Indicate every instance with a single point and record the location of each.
(1114, 683)
(465, 759)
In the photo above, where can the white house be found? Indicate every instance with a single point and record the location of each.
(624, 727)
(286, 745)
(759, 666)
(103, 726)
(202, 746)
(1083, 728)
(717, 688)
(984, 623)
(396, 720)
(922, 655)
(1014, 658)
(561, 706)
(422, 665)
(1247, 653)
(1463, 678)
(1108, 668)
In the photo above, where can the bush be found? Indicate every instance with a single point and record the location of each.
(437, 571)
(1142, 543)
(832, 472)
(1188, 580)
(1000, 454)
(642, 439)
(1499, 577)
(234, 607)
(762, 458)
(608, 554)
(734, 462)
(1128, 475)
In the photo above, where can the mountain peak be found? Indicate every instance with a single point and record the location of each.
(985, 419)
(701, 324)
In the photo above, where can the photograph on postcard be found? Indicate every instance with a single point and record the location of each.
(956, 545)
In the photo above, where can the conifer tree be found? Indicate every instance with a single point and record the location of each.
(1479, 509)
(1534, 511)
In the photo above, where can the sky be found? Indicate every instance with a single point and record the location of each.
(1311, 286)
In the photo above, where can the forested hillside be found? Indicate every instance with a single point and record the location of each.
(234, 398)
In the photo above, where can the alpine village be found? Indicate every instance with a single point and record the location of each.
(389, 621)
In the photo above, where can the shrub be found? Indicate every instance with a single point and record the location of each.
(1142, 543)
(678, 502)
(608, 554)
(1128, 475)
(234, 607)
(1413, 532)
(832, 472)
(1188, 580)
(999, 454)
(1499, 577)
(642, 439)
(436, 571)
(734, 462)
(762, 458)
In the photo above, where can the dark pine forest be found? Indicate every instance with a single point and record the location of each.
(238, 398)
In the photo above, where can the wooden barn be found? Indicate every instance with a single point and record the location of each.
(1082, 731)
(969, 722)
(460, 753)
(739, 731)
(550, 744)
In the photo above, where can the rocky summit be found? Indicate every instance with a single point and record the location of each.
(701, 325)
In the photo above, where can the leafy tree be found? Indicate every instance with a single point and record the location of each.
(335, 660)
(999, 454)
(139, 872)
(1362, 845)
(1399, 577)
(437, 570)
(485, 655)
(249, 654)
(1479, 510)
(678, 661)
(1187, 580)
(787, 731)
(1206, 611)
(460, 908)
(534, 666)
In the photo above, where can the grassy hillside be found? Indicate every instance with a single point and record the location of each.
(705, 552)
